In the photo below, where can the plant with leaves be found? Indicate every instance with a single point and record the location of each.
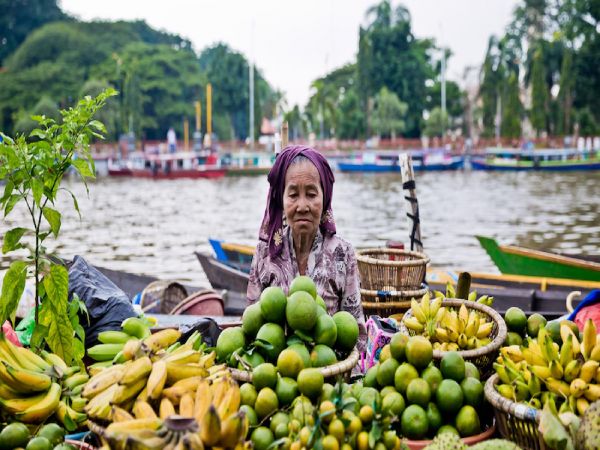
(437, 123)
(388, 115)
(33, 169)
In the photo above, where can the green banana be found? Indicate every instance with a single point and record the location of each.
(75, 380)
(104, 352)
(113, 337)
(136, 327)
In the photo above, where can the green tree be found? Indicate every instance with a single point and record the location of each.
(437, 123)
(565, 94)
(511, 109)
(388, 114)
(352, 117)
(45, 107)
(588, 125)
(539, 94)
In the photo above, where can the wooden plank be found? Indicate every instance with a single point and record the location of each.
(408, 184)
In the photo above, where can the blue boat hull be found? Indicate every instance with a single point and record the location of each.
(480, 165)
(456, 164)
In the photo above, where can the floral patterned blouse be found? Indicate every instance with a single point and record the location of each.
(331, 265)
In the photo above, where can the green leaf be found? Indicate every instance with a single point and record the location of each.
(56, 285)
(8, 188)
(10, 204)
(60, 338)
(38, 336)
(83, 168)
(60, 331)
(12, 289)
(98, 125)
(37, 187)
(11, 239)
(53, 218)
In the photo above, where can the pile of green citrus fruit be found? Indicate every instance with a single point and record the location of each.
(49, 437)
(426, 399)
(293, 332)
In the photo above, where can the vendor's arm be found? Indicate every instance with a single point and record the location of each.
(351, 300)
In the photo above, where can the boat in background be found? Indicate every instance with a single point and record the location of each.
(244, 163)
(509, 159)
(422, 160)
(523, 261)
(170, 166)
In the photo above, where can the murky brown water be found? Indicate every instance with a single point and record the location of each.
(153, 227)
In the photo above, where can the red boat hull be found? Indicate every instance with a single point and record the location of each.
(182, 173)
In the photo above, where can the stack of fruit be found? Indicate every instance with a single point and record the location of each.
(49, 437)
(450, 328)
(33, 387)
(553, 366)
(298, 322)
(161, 382)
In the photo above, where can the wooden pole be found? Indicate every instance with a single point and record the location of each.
(284, 134)
(408, 184)
(186, 134)
(208, 115)
(198, 115)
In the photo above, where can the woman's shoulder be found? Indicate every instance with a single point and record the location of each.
(338, 243)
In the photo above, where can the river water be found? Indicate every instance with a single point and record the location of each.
(153, 227)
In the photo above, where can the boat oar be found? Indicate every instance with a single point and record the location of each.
(408, 183)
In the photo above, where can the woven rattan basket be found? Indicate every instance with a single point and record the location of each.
(389, 269)
(386, 303)
(482, 357)
(516, 422)
(340, 368)
(162, 296)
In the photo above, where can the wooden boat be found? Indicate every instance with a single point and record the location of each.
(523, 261)
(539, 159)
(423, 160)
(172, 166)
(247, 164)
(119, 168)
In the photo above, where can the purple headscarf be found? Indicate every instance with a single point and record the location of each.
(271, 229)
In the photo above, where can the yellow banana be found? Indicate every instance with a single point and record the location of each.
(597, 378)
(133, 425)
(472, 324)
(101, 400)
(588, 370)
(578, 387)
(20, 404)
(176, 372)
(44, 408)
(231, 401)
(184, 357)
(441, 335)
(6, 393)
(549, 351)
(572, 370)
(131, 349)
(157, 379)
(425, 304)
(125, 392)
(210, 427)
(413, 324)
(69, 418)
(190, 384)
(556, 369)
(463, 340)
(29, 360)
(595, 353)
(506, 391)
(501, 371)
(582, 405)
(434, 307)
(98, 383)
(512, 352)
(186, 405)
(208, 360)
(566, 352)
(473, 296)
(219, 388)
(203, 400)
(175, 393)
(234, 429)
(78, 403)
(143, 410)
(532, 358)
(24, 380)
(137, 369)
(120, 415)
(161, 339)
(484, 330)
(55, 360)
(417, 311)
(558, 387)
(593, 392)
(166, 408)
(463, 314)
(565, 332)
(589, 338)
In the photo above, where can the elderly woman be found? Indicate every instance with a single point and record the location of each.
(298, 235)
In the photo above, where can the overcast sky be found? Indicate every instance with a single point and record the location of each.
(295, 42)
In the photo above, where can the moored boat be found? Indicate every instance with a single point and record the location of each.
(422, 160)
(175, 165)
(567, 159)
(247, 163)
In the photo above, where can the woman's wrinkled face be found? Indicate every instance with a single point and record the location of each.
(303, 198)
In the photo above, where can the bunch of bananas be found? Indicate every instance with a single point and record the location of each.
(113, 342)
(541, 371)
(34, 387)
(448, 328)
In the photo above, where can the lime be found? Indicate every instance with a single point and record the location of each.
(287, 390)
(310, 382)
(325, 330)
(553, 328)
(277, 419)
(274, 335)
(266, 402)
(393, 404)
(513, 338)
(14, 435)
(347, 330)
(433, 376)
(467, 421)
(370, 379)
(398, 346)
(264, 375)
(252, 320)
(472, 391)
(281, 431)
(414, 422)
(248, 394)
(327, 411)
(434, 418)
(471, 370)
(329, 442)
(447, 429)
(404, 374)
(386, 372)
(327, 392)
(534, 323)
(230, 340)
(387, 390)
(53, 432)
(337, 429)
(320, 302)
(303, 283)
(366, 414)
(516, 320)
(322, 355)
(449, 396)
(418, 392)
(369, 397)
(389, 439)
(301, 349)
(419, 351)
(385, 353)
(301, 311)
(272, 304)
(289, 363)
(453, 366)
(250, 414)
(302, 409)
(39, 443)
(262, 438)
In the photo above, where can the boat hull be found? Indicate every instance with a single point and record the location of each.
(247, 171)
(173, 175)
(478, 164)
(455, 164)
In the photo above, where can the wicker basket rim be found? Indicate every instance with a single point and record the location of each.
(408, 293)
(520, 410)
(327, 371)
(363, 256)
(489, 348)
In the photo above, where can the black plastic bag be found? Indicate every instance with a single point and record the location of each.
(107, 305)
(208, 329)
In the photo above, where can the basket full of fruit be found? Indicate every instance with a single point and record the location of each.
(288, 333)
(472, 328)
